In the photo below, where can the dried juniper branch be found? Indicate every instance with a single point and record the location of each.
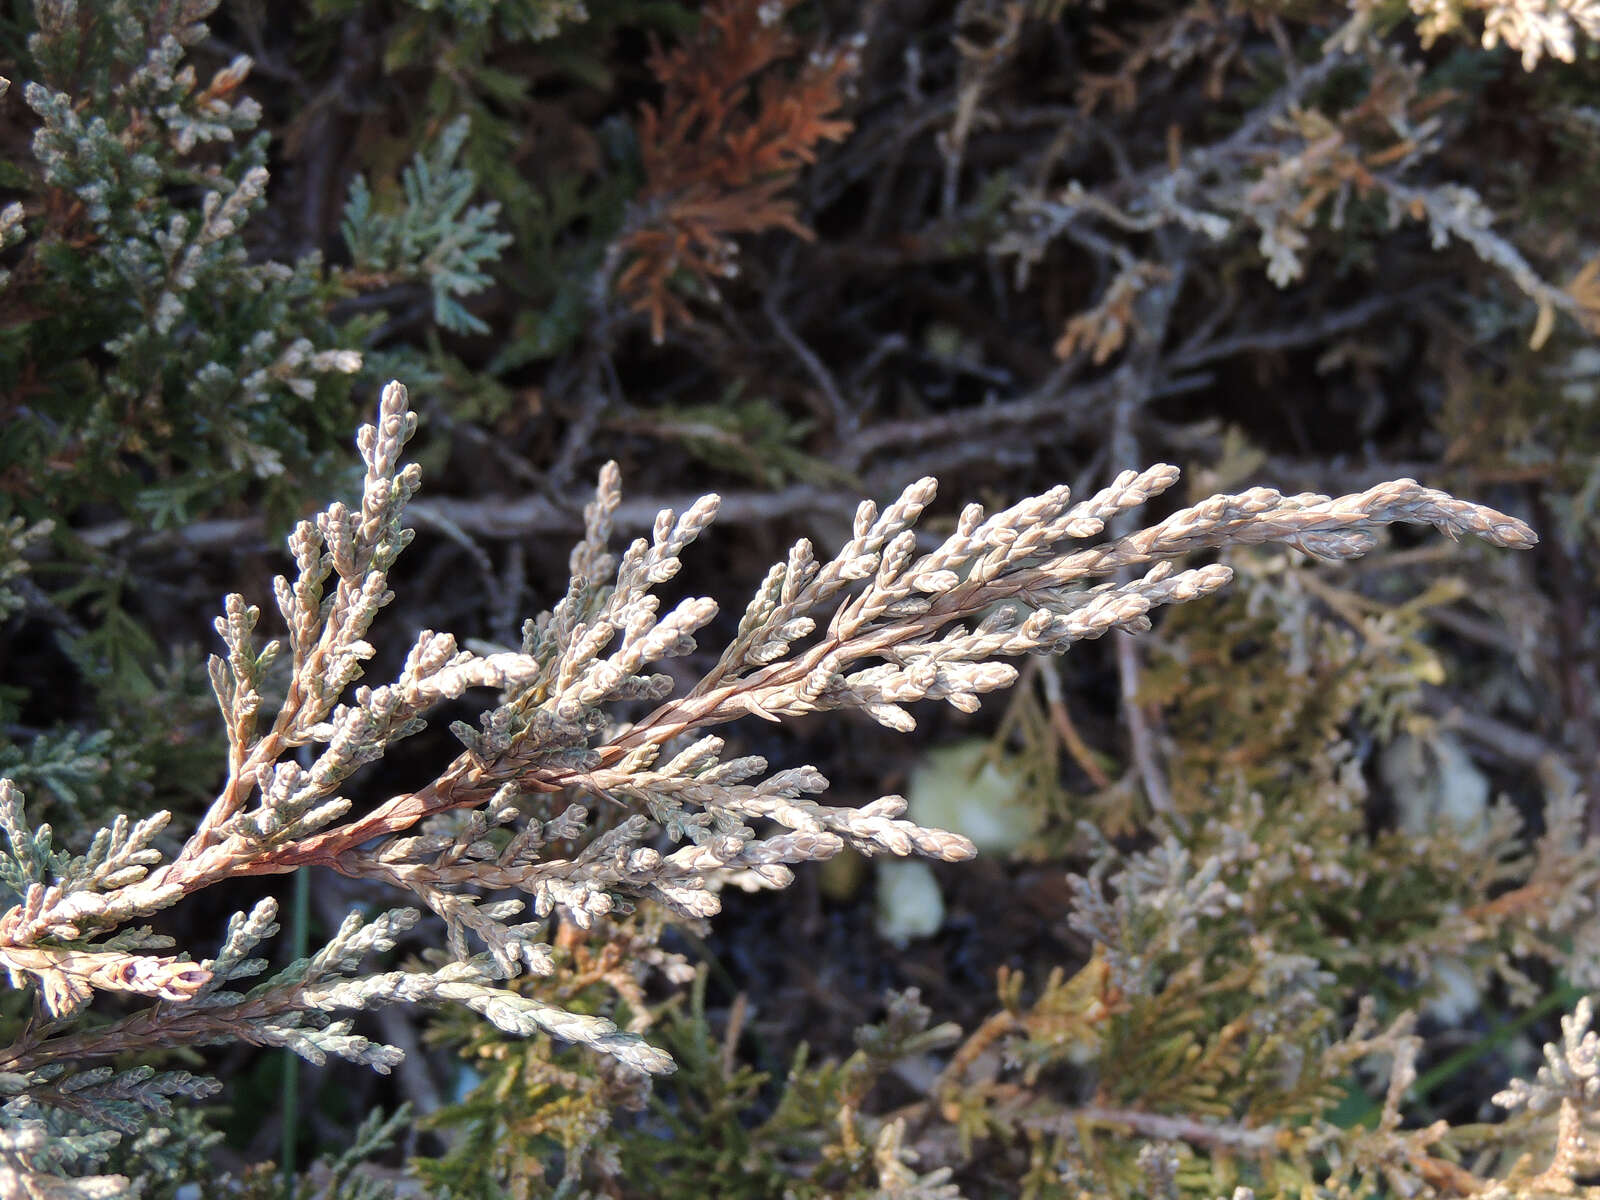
(723, 149)
(874, 628)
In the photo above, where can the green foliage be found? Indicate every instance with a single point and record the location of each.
(434, 237)
(487, 64)
(720, 1127)
(140, 323)
(339, 1176)
(64, 768)
(1277, 679)
(748, 437)
(536, 1113)
(697, 1137)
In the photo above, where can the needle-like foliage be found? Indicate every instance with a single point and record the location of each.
(554, 796)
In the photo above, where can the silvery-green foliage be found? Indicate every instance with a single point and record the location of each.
(65, 765)
(143, 299)
(60, 1130)
(435, 236)
(165, 263)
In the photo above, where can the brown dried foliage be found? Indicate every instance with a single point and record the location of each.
(724, 147)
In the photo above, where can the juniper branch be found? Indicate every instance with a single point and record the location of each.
(875, 628)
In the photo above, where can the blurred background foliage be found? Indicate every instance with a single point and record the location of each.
(798, 253)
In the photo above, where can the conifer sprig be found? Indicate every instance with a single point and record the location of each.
(877, 627)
